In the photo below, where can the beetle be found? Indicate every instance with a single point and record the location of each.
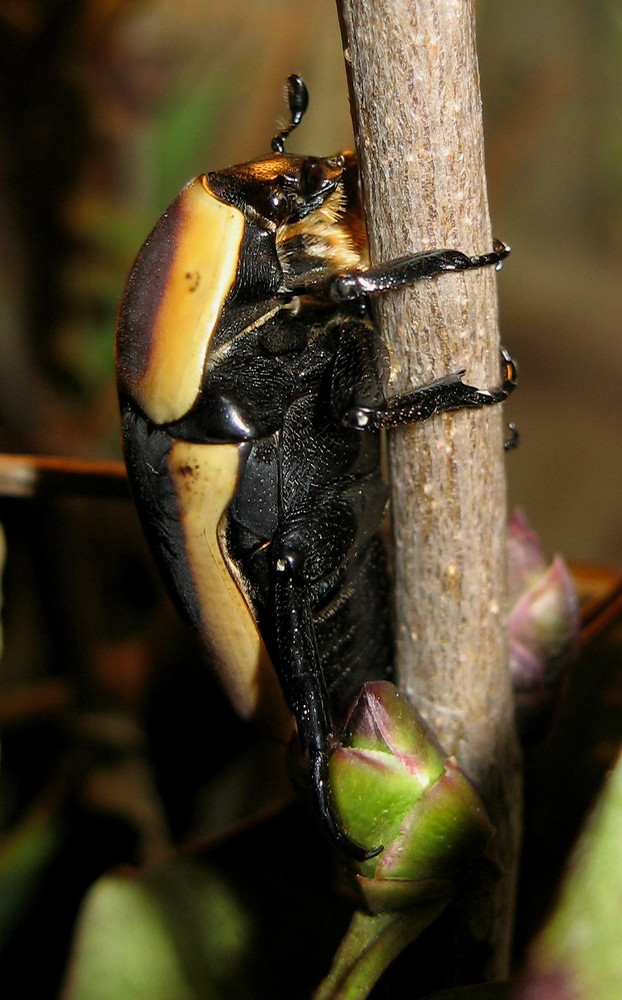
(252, 402)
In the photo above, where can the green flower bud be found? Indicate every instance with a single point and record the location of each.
(393, 785)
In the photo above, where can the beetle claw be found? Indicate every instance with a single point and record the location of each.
(328, 815)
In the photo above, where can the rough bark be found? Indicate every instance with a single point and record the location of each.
(416, 106)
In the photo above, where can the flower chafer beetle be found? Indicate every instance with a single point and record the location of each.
(252, 402)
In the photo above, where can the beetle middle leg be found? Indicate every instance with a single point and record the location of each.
(441, 395)
(360, 403)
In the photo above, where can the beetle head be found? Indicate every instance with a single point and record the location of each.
(280, 189)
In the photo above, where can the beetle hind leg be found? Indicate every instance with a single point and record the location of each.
(301, 676)
(318, 771)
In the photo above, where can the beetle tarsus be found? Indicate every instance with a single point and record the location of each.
(514, 439)
(326, 807)
(498, 255)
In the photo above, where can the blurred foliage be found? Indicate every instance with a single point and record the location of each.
(578, 952)
(117, 746)
(552, 88)
(210, 924)
(188, 937)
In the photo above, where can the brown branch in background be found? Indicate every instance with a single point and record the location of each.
(600, 595)
(416, 105)
(40, 475)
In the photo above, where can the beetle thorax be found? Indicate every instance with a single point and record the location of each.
(322, 242)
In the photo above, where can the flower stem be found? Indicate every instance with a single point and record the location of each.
(371, 943)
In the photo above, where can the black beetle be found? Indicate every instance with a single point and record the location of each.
(252, 403)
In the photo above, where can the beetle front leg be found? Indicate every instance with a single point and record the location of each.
(357, 285)
(441, 395)
(300, 673)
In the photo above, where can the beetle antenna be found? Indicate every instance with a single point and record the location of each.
(298, 100)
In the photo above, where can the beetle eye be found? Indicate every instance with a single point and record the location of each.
(312, 176)
(273, 205)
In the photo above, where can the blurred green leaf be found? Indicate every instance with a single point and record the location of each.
(180, 136)
(578, 952)
(25, 853)
(175, 933)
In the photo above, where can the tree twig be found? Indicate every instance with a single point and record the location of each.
(40, 475)
(416, 105)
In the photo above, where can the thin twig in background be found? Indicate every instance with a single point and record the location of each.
(37, 475)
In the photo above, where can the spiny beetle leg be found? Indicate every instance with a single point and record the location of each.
(407, 270)
(318, 767)
(447, 393)
(300, 673)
